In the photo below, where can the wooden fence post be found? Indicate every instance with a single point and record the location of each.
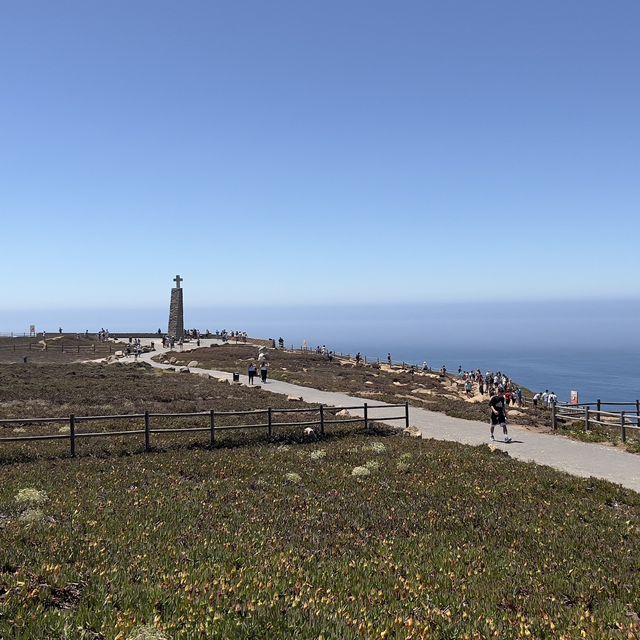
(212, 424)
(72, 434)
(406, 415)
(269, 421)
(599, 404)
(366, 416)
(586, 418)
(554, 420)
(623, 431)
(147, 434)
(321, 420)
(637, 413)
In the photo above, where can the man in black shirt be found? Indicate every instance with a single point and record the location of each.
(496, 405)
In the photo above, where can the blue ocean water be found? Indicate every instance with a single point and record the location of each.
(592, 346)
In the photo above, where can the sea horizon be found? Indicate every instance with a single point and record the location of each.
(592, 347)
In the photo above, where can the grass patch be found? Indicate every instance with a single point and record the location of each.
(262, 542)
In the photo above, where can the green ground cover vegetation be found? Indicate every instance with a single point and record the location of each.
(366, 535)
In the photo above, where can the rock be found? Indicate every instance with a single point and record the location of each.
(515, 412)
(172, 360)
(223, 380)
(118, 354)
(170, 369)
(497, 450)
(294, 398)
(343, 413)
(411, 432)
(193, 364)
(184, 369)
(368, 382)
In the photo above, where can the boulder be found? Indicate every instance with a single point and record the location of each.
(368, 382)
(193, 364)
(172, 360)
(343, 413)
(411, 432)
(118, 354)
(184, 369)
(294, 398)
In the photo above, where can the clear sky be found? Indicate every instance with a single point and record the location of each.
(295, 152)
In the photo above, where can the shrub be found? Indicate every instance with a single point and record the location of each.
(318, 454)
(372, 465)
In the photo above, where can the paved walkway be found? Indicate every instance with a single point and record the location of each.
(577, 458)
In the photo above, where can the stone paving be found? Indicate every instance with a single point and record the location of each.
(574, 457)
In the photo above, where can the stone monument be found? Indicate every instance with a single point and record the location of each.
(176, 311)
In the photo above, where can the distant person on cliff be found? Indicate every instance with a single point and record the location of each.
(389, 359)
(545, 398)
(498, 416)
(264, 372)
(534, 400)
(481, 384)
(251, 372)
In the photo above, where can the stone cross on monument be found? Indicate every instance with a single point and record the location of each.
(176, 311)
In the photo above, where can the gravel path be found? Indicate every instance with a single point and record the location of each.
(574, 457)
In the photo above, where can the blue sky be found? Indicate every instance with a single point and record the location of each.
(311, 152)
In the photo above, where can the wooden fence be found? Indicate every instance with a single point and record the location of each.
(325, 416)
(100, 347)
(594, 413)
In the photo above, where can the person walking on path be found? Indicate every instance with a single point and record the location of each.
(498, 415)
(263, 373)
(252, 372)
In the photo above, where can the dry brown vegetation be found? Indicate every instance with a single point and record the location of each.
(377, 382)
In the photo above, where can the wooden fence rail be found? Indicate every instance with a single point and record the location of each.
(591, 416)
(100, 347)
(211, 427)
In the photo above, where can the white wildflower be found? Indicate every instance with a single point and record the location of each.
(146, 632)
(360, 472)
(402, 466)
(376, 447)
(372, 465)
(32, 516)
(318, 454)
(406, 456)
(293, 478)
(19, 430)
(30, 496)
(64, 429)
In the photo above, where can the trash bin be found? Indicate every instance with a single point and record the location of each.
(236, 377)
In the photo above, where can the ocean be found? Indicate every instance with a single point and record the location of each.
(592, 347)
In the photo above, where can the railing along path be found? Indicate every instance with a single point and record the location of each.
(211, 416)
